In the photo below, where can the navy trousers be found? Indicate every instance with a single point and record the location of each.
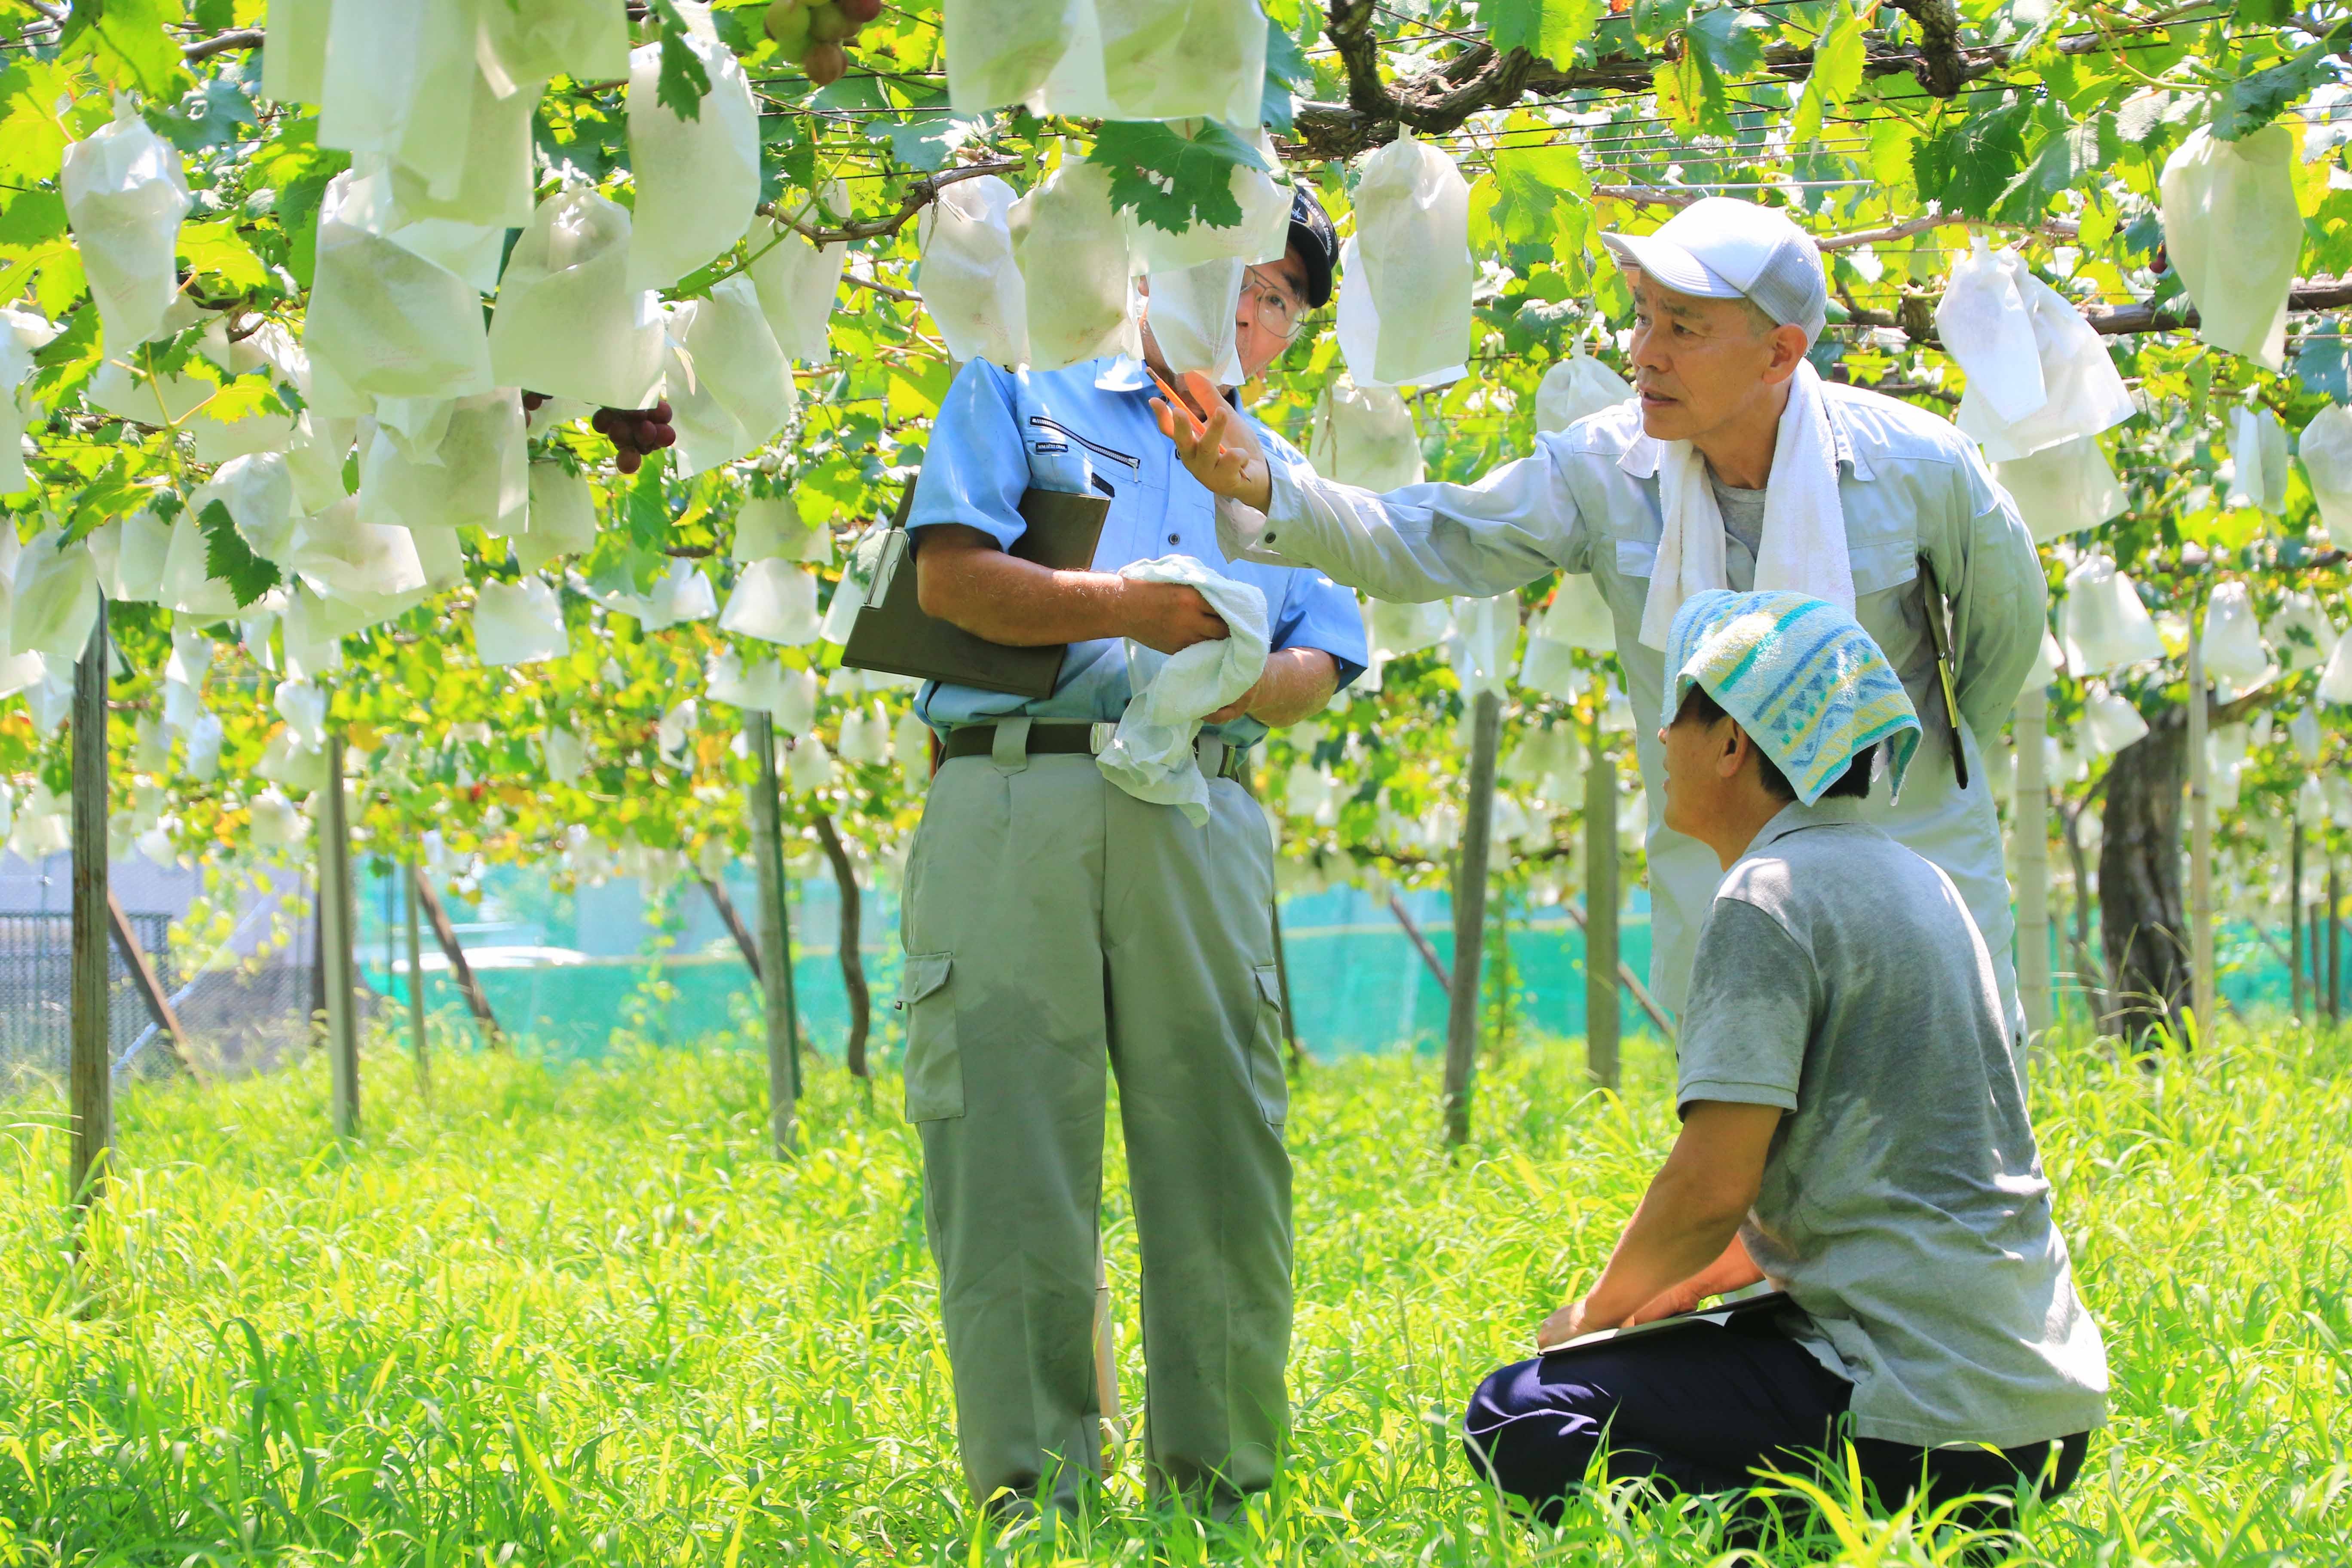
(1699, 1409)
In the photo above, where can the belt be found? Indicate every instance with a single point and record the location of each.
(1217, 758)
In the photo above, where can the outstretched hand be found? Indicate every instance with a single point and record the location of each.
(1220, 451)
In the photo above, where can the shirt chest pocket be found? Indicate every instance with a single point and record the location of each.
(1882, 551)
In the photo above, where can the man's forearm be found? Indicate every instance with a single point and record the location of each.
(1298, 681)
(1674, 1234)
(1002, 599)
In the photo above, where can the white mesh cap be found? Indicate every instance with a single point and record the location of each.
(1719, 248)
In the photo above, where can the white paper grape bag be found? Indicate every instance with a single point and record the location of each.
(1173, 60)
(2233, 637)
(768, 526)
(2103, 624)
(969, 281)
(400, 79)
(774, 601)
(294, 53)
(258, 493)
(1001, 52)
(1412, 234)
(729, 389)
(1076, 271)
(696, 180)
(562, 518)
(1579, 617)
(680, 595)
(2233, 232)
(125, 193)
(796, 281)
(2063, 488)
(2110, 722)
(1985, 323)
(22, 335)
(1480, 644)
(382, 320)
(586, 40)
(1576, 388)
(1357, 327)
(343, 557)
(2325, 448)
(1364, 436)
(478, 475)
(2082, 392)
(1191, 313)
(2258, 459)
(567, 324)
(517, 623)
(53, 601)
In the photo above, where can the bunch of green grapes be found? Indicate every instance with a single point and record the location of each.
(818, 30)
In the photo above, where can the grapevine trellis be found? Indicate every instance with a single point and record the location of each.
(555, 679)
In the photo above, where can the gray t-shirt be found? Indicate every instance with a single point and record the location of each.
(1903, 1205)
(1743, 532)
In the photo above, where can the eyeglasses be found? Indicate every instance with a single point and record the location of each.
(1277, 310)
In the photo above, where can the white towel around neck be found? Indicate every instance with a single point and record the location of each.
(1803, 548)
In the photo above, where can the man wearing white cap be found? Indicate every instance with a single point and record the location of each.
(1733, 465)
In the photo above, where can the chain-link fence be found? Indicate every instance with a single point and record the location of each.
(242, 1003)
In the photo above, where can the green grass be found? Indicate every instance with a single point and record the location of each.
(577, 1315)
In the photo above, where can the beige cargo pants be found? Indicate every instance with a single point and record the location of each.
(1055, 927)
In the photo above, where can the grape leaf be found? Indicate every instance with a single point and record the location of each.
(1547, 29)
(1170, 179)
(1286, 71)
(230, 559)
(683, 82)
(1971, 164)
(2254, 101)
(1838, 61)
(125, 42)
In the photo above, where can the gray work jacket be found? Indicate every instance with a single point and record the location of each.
(1586, 500)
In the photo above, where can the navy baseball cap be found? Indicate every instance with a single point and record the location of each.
(1318, 244)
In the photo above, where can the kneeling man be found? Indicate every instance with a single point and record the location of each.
(1854, 1131)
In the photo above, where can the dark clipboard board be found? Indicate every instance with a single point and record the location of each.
(895, 636)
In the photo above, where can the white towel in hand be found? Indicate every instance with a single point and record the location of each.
(1150, 754)
(1803, 548)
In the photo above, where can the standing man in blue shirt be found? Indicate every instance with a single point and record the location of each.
(1056, 927)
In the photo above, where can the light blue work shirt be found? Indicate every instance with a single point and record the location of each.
(1089, 429)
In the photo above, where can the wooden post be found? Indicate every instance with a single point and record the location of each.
(2335, 943)
(2030, 835)
(335, 927)
(1601, 960)
(1470, 915)
(853, 961)
(775, 938)
(1105, 1362)
(2201, 835)
(417, 986)
(2294, 913)
(151, 989)
(460, 971)
(90, 1074)
(1628, 979)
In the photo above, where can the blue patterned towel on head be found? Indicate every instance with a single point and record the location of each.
(1801, 676)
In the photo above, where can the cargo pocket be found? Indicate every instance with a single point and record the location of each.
(934, 1069)
(1267, 1079)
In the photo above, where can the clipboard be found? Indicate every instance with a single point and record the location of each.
(1745, 1311)
(893, 634)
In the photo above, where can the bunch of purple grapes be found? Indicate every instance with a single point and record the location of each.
(635, 433)
(818, 32)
